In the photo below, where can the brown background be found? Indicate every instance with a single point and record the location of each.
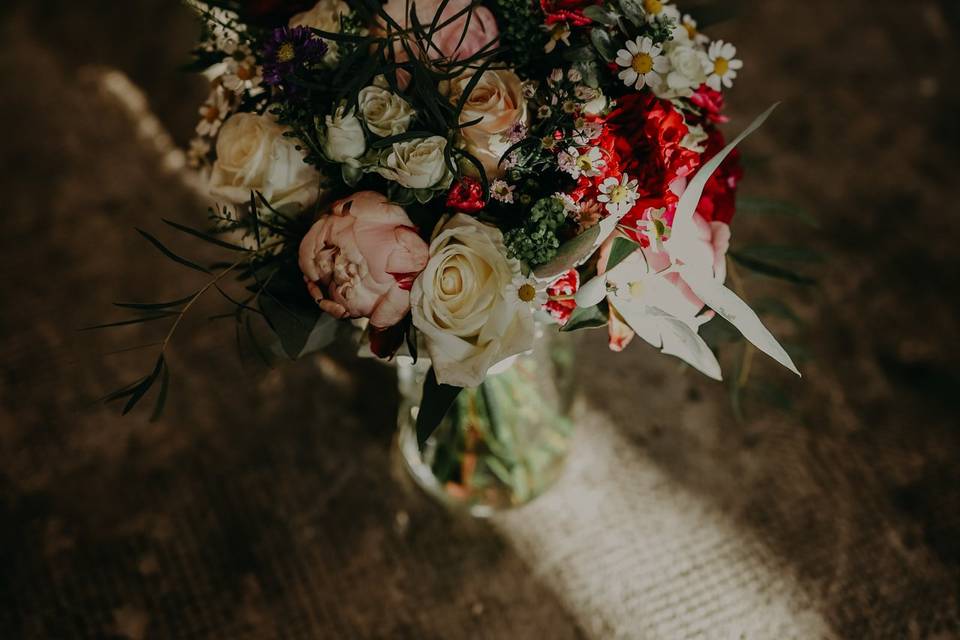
(268, 505)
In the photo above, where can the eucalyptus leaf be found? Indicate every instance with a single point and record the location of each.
(597, 13)
(587, 318)
(603, 44)
(621, 249)
(437, 400)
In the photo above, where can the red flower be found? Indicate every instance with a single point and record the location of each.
(719, 200)
(560, 303)
(466, 195)
(646, 136)
(569, 11)
(711, 102)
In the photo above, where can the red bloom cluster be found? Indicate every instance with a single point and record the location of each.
(719, 200)
(560, 303)
(466, 195)
(568, 11)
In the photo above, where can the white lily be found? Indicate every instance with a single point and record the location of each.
(649, 320)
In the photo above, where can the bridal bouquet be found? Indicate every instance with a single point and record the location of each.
(449, 174)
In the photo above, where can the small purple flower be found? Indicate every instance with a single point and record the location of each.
(289, 50)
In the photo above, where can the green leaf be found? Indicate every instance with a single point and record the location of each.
(764, 206)
(771, 270)
(437, 400)
(170, 254)
(322, 334)
(633, 11)
(602, 43)
(141, 389)
(587, 318)
(161, 395)
(122, 323)
(154, 306)
(204, 236)
(779, 253)
(599, 14)
(621, 249)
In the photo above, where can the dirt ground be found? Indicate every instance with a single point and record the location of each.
(250, 513)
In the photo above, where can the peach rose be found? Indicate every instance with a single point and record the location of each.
(360, 259)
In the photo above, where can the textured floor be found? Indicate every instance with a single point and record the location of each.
(269, 506)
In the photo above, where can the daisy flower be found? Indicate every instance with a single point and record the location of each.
(501, 191)
(656, 9)
(643, 63)
(618, 196)
(721, 65)
(213, 112)
(581, 162)
(693, 34)
(655, 227)
(198, 153)
(528, 291)
(559, 32)
(242, 74)
(587, 132)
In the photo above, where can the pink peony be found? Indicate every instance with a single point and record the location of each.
(476, 30)
(360, 260)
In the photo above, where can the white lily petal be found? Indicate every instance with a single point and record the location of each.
(682, 238)
(592, 292)
(736, 312)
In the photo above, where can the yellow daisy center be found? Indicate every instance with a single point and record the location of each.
(642, 63)
(584, 163)
(526, 292)
(286, 53)
(652, 6)
(721, 66)
(618, 194)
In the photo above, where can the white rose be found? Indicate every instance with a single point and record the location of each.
(461, 307)
(686, 71)
(385, 113)
(254, 155)
(498, 102)
(417, 164)
(325, 16)
(344, 141)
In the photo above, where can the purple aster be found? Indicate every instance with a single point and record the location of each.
(289, 50)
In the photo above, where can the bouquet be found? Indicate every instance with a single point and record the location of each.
(444, 175)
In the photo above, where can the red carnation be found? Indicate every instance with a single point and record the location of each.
(466, 195)
(569, 11)
(646, 136)
(711, 102)
(560, 303)
(719, 200)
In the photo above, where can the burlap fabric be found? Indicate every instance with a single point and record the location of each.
(271, 506)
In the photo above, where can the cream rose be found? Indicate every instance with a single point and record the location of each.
(461, 306)
(325, 16)
(497, 101)
(385, 113)
(417, 164)
(345, 140)
(686, 71)
(254, 155)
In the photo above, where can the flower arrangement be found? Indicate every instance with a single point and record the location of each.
(446, 174)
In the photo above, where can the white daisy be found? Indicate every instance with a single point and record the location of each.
(501, 191)
(528, 291)
(618, 196)
(721, 65)
(655, 227)
(689, 25)
(656, 9)
(581, 162)
(643, 63)
(242, 74)
(559, 32)
(213, 112)
(198, 153)
(587, 131)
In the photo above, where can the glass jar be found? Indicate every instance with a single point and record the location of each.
(502, 443)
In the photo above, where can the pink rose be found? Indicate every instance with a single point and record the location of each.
(360, 260)
(476, 30)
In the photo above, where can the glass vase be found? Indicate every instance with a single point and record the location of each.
(502, 443)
